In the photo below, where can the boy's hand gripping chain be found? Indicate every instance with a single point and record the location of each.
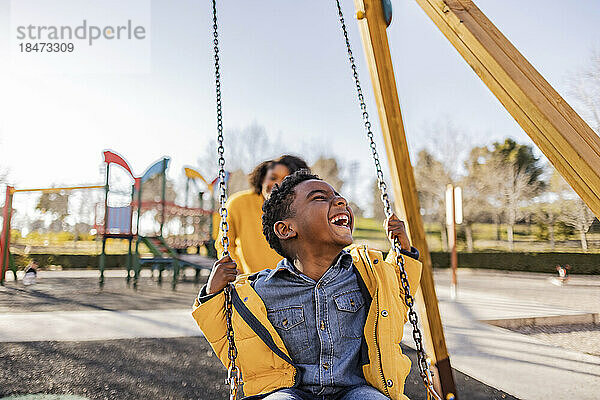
(424, 370)
(234, 377)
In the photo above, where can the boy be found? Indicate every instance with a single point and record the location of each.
(325, 323)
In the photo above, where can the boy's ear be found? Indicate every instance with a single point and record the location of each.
(284, 230)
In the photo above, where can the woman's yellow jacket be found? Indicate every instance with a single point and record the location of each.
(262, 357)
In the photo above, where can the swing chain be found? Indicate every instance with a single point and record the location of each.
(365, 116)
(423, 365)
(233, 373)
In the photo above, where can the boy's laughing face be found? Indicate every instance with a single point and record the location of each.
(322, 216)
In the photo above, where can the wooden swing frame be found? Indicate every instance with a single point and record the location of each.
(559, 132)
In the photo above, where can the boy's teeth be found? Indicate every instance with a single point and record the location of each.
(343, 218)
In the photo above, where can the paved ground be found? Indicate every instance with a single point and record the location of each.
(154, 364)
(79, 291)
(120, 343)
(578, 337)
(581, 293)
(177, 368)
(537, 295)
(519, 364)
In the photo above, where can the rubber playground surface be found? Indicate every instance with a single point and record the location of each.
(127, 368)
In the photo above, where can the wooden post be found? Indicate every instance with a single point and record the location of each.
(568, 142)
(374, 37)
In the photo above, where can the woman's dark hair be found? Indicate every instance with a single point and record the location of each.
(292, 163)
(257, 176)
(278, 206)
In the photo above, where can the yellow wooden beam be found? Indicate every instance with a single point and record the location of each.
(374, 37)
(560, 133)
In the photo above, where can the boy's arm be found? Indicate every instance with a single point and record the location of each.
(210, 317)
(396, 231)
(209, 306)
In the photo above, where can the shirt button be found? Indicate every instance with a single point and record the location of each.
(384, 313)
(322, 325)
(325, 366)
(375, 261)
(389, 383)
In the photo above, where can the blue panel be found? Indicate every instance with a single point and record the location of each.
(119, 219)
(155, 169)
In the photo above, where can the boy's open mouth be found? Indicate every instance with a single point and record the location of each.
(341, 220)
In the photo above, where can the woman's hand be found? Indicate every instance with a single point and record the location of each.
(224, 272)
(395, 229)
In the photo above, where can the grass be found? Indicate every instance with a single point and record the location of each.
(526, 238)
(367, 231)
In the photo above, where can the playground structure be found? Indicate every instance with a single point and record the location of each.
(166, 252)
(117, 223)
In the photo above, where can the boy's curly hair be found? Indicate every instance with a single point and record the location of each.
(278, 206)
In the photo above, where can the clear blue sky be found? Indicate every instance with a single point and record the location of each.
(284, 67)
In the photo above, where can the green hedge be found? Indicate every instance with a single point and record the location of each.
(72, 260)
(581, 263)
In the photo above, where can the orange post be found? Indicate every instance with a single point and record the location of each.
(5, 238)
(451, 224)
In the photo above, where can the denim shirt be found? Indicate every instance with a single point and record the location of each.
(321, 323)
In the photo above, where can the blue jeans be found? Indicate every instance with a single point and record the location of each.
(364, 392)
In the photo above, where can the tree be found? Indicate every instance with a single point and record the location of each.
(244, 149)
(438, 166)
(238, 181)
(547, 214)
(37, 225)
(431, 178)
(475, 206)
(521, 157)
(579, 216)
(56, 204)
(376, 204)
(508, 175)
(152, 189)
(573, 211)
(152, 192)
(3, 179)
(585, 87)
(83, 216)
(356, 209)
(327, 168)
(515, 190)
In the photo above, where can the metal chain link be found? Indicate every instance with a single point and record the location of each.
(234, 378)
(408, 299)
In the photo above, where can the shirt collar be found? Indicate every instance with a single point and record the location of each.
(343, 260)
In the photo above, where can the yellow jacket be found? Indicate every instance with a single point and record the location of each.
(262, 357)
(247, 244)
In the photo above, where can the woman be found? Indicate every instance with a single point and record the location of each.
(247, 244)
